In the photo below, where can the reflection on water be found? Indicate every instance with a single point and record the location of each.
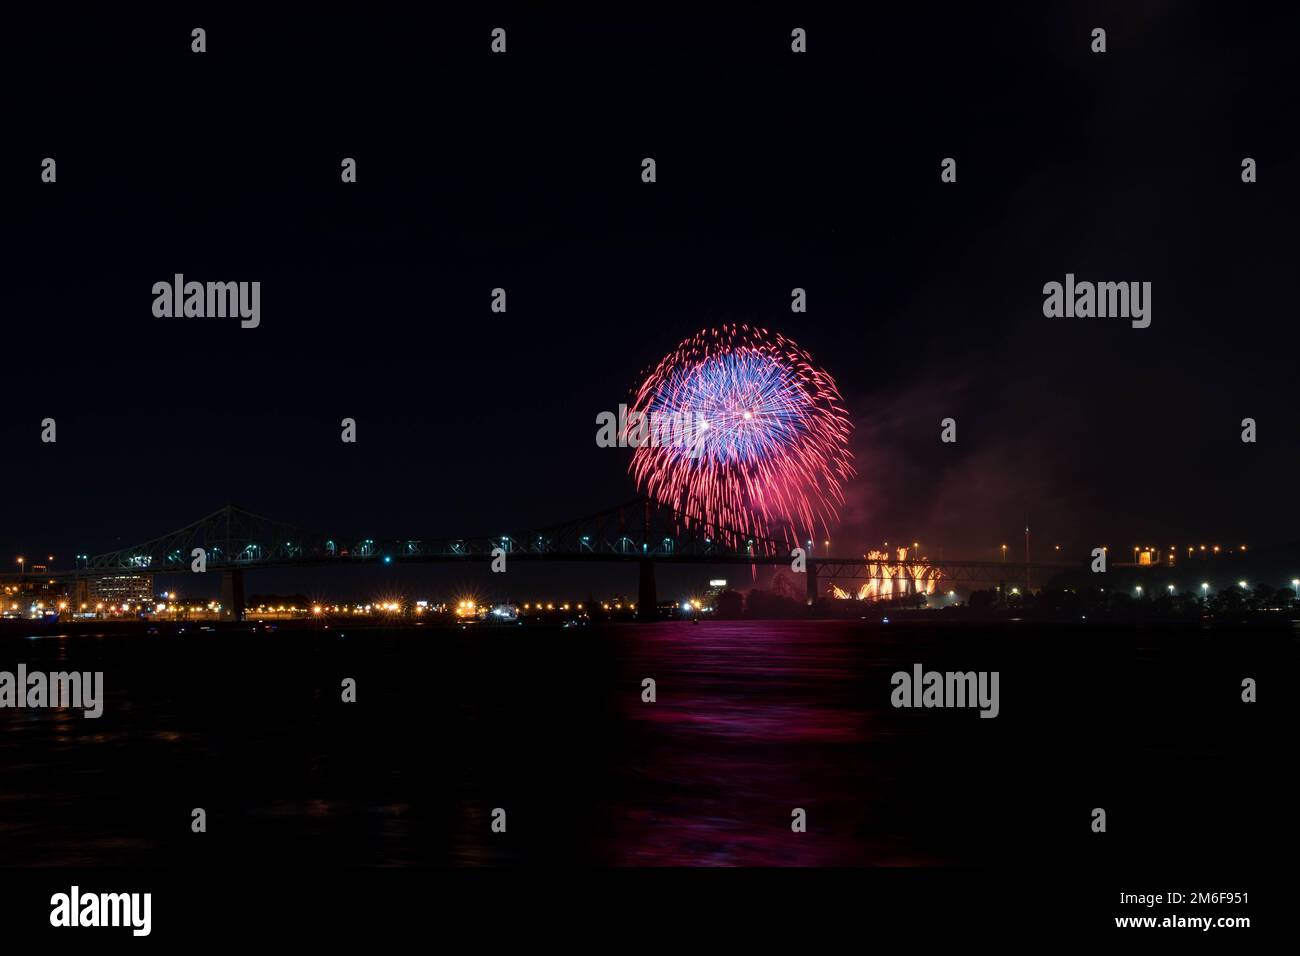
(751, 721)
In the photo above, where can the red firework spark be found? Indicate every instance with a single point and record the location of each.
(767, 435)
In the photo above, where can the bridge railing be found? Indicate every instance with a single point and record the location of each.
(233, 538)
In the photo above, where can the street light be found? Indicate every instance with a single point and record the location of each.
(1004, 552)
(1205, 591)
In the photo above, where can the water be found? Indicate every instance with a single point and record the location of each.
(752, 720)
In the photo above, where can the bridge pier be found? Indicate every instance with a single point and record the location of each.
(811, 574)
(647, 601)
(232, 595)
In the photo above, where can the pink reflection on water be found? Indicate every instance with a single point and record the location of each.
(750, 722)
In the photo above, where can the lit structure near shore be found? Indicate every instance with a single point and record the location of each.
(117, 590)
(889, 576)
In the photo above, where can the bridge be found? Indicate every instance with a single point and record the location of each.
(234, 541)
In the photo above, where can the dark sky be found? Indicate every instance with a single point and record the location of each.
(523, 171)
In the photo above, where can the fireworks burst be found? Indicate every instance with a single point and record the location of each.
(770, 435)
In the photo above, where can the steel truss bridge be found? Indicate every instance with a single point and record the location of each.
(235, 541)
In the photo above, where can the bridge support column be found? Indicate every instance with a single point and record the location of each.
(232, 595)
(811, 574)
(81, 594)
(647, 601)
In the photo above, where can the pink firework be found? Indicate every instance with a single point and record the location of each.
(747, 435)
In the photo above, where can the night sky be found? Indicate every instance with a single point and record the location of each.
(522, 171)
